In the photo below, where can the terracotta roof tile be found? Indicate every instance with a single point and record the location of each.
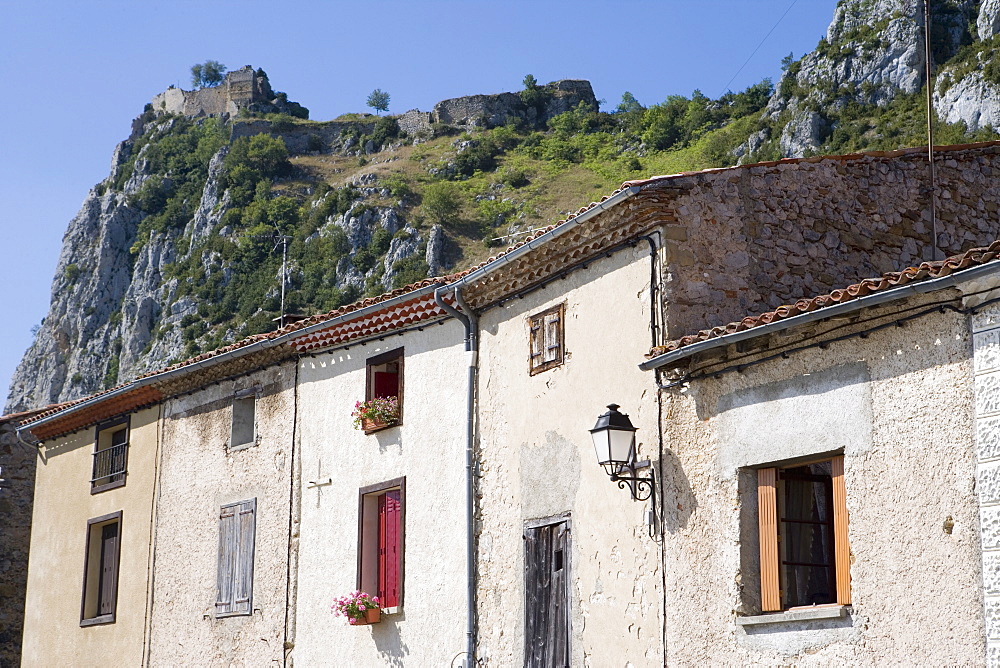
(925, 271)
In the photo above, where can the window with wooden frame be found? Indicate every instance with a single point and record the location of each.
(380, 541)
(100, 570)
(384, 380)
(546, 339)
(237, 526)
(110, 455)
(243, 433)
(803, 523)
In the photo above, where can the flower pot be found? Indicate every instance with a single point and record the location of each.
(372, 616)
(375, 425)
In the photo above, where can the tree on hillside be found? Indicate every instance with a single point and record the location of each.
(207, 74)
(629, 104)
(378, 100)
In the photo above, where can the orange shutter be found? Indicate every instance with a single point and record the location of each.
(842, 549)
(767, 514)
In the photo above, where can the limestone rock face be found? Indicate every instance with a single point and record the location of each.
(872, 52)
(988, 21)
(972, 100)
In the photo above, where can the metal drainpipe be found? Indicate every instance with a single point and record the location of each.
(470, 320)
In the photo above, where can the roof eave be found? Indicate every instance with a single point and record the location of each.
(874, 299)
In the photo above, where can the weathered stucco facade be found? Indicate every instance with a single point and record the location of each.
(53, 633)
(898, 405)
(201, 471)
(538, 462)
(337, 461)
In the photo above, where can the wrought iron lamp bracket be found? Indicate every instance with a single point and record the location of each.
(641, 487)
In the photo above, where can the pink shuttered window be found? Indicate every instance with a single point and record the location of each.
(389, 511)
(381, 539)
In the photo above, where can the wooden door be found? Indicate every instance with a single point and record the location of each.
(547, 596)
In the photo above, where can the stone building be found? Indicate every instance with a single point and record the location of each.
(485, 487)
(825, 459)
(244, 88)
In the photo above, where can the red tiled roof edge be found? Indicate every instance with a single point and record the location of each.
(925, 271)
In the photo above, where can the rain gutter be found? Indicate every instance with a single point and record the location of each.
(259, 346)
(875, 299)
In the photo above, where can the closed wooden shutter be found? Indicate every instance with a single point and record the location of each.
(237, 527)
(767, 515)
(386, 384)
(108, 582)
(537, 343)
(389, 548)
(842, 549)
(553, 337)
(546, 596)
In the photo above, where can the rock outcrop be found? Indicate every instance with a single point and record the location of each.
(555, 98)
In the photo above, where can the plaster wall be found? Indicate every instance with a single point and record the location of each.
(63, 504)
(537, 461)
(899, 405)
(200, 474)
(428, 448)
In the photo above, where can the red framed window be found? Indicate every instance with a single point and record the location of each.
(380, 538)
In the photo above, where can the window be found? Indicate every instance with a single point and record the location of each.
(244, 428)
(547, 593)
(546, 339)
(380, 534)
(802, 518)
(110, 455)
(237, 525)
(100, 570)
(385, 381)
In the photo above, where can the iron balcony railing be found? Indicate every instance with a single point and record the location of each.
(109, 465)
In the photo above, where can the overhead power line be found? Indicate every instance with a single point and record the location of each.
(726, 87)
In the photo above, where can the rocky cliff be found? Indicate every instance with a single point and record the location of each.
(872, 54)
(178, 250)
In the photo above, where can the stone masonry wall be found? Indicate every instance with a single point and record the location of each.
(773, 234)
(17, 478)
(986, 338)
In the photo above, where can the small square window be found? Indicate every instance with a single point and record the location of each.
(100, 570)
(384, 380)
(244, 427)
(546, 339)
(110, 455)
(380, 549)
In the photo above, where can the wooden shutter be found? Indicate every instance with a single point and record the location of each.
(389, 548)
(546, 596)
(237, 528)
(552, 339)
(842, 549)
(243, 581)
(536, 342)
(227, 560)
(386, 384)
(767, 517)
(108, 579)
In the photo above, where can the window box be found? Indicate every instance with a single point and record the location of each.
(371, 426)
(372, 616)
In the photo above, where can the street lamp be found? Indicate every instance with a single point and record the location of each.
(614, 442)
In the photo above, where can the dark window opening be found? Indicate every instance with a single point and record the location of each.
(805, 530)
(110, 455)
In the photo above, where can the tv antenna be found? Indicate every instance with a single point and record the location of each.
(282, 240)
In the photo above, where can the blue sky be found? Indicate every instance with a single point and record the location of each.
(76, 73)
